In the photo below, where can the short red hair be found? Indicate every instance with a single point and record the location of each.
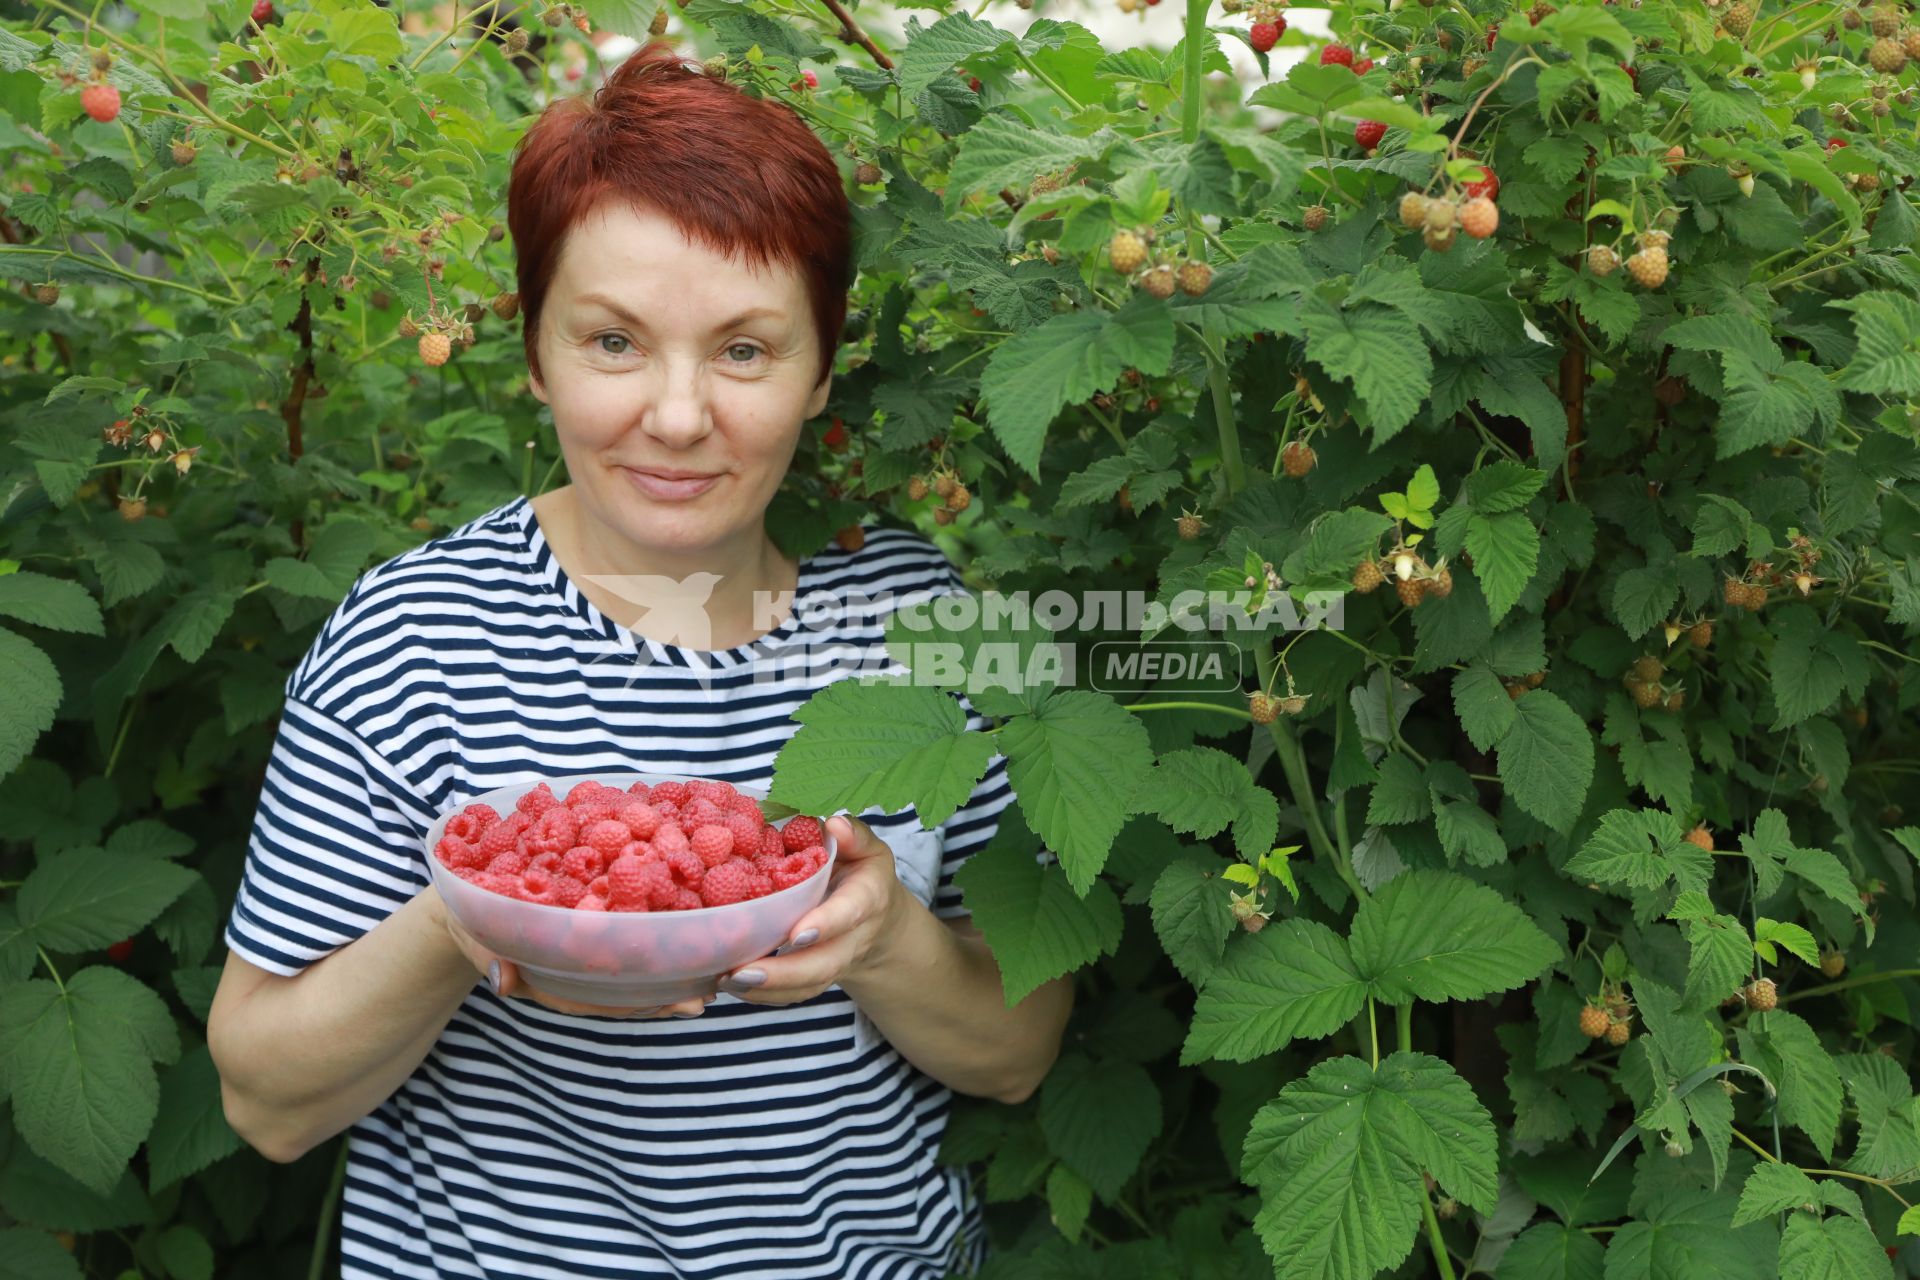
(743, 176)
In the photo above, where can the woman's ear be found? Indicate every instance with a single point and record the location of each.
(817, 402)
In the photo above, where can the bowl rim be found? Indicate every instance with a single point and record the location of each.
(439, 870)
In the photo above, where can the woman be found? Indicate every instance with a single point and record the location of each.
(683, 257)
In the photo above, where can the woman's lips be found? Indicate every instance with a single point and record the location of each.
(662, 489)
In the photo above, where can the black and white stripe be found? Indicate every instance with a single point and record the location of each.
(752, 1142)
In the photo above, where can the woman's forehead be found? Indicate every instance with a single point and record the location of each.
(617, 248)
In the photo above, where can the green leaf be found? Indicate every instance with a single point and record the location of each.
(1773, 1188)
(1380, 350)
(35, 1255)
(1432, 935)
(1787, 1052)
(185, 1253)
(1485, 708)
(1031, 376)
(934, 52)
(191, 1130)
(1886, 356)
(30, 693)
(1191, 914)
(1644, 597)
(55, 603)
(1722, 955)
(1503, 485)
(1077, 766)
(1910, 1222)
(1469, 834)
(80, 1067)
(1294, 978)
(865, 743)
(1640, 848)
(1795, 938)
(1546, 759)
(86, 897)
(1202, 790)
(1810, 167)
(1338, 1157)
(1505, 550)
(1037, 927)
(1831, 1249)
(1812, 665)
(1686, 1234)
(1401, 794)
(1069, 1201)
(1552, 1251)
(1099, 1119)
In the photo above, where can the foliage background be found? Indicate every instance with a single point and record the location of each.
(1388, 1075)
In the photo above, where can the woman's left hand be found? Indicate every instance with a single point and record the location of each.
(851, 924)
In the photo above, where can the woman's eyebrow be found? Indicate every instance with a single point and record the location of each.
(751, 313)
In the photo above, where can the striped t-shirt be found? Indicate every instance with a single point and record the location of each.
(753, 1141)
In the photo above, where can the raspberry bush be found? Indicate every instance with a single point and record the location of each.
(1553, 915)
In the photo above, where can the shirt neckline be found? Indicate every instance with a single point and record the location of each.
(548, 568)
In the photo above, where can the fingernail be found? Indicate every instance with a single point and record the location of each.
(806, 937)
(710, 999)
(493, 975)
(686, 1015)
(749, 978)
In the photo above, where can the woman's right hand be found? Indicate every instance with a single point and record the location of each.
(504, 975)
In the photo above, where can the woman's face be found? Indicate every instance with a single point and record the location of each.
(679, 380)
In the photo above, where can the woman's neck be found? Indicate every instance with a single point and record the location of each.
(613, 575)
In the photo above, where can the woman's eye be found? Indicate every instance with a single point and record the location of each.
(612, 337)
(747, 347)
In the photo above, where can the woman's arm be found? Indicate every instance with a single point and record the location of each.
(930, 986)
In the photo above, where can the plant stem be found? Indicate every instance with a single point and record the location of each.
(1188, 706)
(1294, 765)
(1373, 1031)
(1403, 1024)
(1882, 1183)
(1847, 984)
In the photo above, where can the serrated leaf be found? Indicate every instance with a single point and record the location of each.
(1035, 924)
(30, 693)
(1787, 1052)
(1505, 550)
(55, 603)
(1485, 708)
(1069, 1200)
(1192, 915)
(36, 1255)
(191, 1130)
(1503, 485)
(1885, 361)
(1293, 978)
(1338, 1157)
(1001, 151)
(1640, 848)
(1793, 937)
(1546, 759)
(1432, 935)
(1401, 794)
(893, 745)
(1380, 351)
(1773, 1188)
(1721, 955)
(86, 897)
(1552, 1251)
(1099, 1119)
(80, 1066)
(1077, 765)
(1687, 1233)
(1831, 1249)
(1201, 791)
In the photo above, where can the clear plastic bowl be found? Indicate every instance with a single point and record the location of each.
(624, 959)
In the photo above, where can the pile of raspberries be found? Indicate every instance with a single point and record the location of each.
(671, 846)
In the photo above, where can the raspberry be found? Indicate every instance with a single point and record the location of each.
(510, 863)
(1700, 837)
(565, 891)
(801, 832)
(184, 152)
(686, 900)
(1126, 251)
(1159, 281)
(1367, 576)
(583, 793)
(1832, 964)
(1649, 267)
(796, 869)
(867, 173)
(598, 887)
(640, 791)
(1413, 211)
(1367, 134)
(1189, 526)
(1194, 278)
(1479, 217)
(1762, 995)
(1297, 459)
(585, 863)
(1647, 667)
(686, 868)
(262, 12)
(435, 348)
(455, 852)
(665, 811)
(1440, 586)
(916, 488)
(557, 831)
(639, 818)
(1884, 21)
(711, 790)
(1362, 65)
(608, 835)
(1264, 35)
(101, 101)
(1263, 707)
(1645, 696)
(537, 801)
(1411, 591)
(497, 882)
(1738, 19)
(1339, 53)
(770, 844)
(1887, 56)
(1487, 185)
(1700, 634)
(591, 901)
(740, 802)
(712, 844)
(702, 812)
(628, 882)
(503, 835)
(670, 792)
(746, 832)
(1493, 34)
(472, 822)
(1618, 1033)
(671, 838)
(1593, 1021)
(733, 881)
(1602, 260)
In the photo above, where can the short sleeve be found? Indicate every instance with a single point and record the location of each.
(336, 845)
(974, 824)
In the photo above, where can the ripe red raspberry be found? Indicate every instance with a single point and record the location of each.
(686, 900)
(665, 809)
(536, 881)
(262, 12)
(509, 863)
(801, 832)
(591, 902)
(537, 801)
(565, 891)
(746, 832)
(586, 863)
(508, 886)
(835, 436)
(598, 887)
(1367, 133)
(1339, 53)
(771, 845)
(798, 867)
(640, 819)
(608, 835)
(557, 831)
(455, 852)
(472, 822)
(740, 802)
(813, 81)
(670, 792)
(711, 843)
(670, 838)
(1362, 65)
(1264, 35)
(101, 101)
(640, 791)
(734, 880)
(686, 868)
(1488, 185)
(1493, 34)
(588, 814)
(703, 811)
(628, 883)
(120, 950)
(583, 793)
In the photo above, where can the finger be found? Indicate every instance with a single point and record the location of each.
(792, 976)
(849, 901)
(854, 838)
